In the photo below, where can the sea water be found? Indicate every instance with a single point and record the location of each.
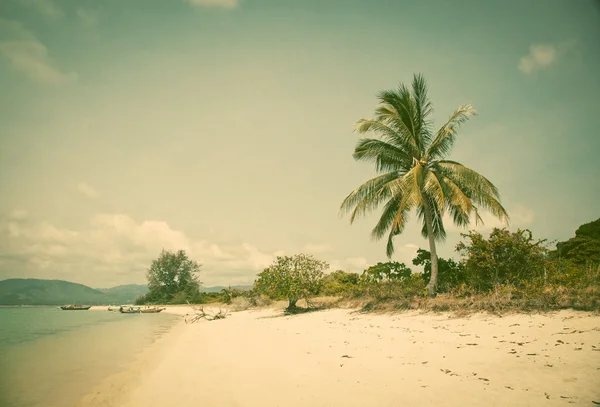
(50, 357)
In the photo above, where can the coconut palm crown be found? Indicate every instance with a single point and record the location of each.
(416, 173)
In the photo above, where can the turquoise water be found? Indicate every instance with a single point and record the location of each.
(50, 357)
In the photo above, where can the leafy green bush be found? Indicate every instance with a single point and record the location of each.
(339, 283)
(504, 258)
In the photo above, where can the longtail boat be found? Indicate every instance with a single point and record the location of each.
(75, 307)
(152, 310)
(129, 310)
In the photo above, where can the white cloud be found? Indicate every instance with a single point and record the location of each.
(87, 190)
(218, 3)
(29, 56)
(542, 56)
(87, 17)
(315, 248)
(116, 249)
(18, 214)
(349, 264)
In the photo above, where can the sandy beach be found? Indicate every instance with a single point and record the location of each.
(344, 358)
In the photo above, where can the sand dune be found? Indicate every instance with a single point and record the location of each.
(341, 358)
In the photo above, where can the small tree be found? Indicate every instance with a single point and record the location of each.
(386, 272)
(173, 277)
(292, 277)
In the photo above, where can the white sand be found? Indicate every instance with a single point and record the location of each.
(254, 359)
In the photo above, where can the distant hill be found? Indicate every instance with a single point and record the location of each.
(32, 291)
(124, 294)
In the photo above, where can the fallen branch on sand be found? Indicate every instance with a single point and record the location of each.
(210, 315)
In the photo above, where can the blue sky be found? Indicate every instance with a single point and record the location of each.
(224, 127)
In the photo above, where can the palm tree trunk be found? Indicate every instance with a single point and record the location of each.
(432, 285)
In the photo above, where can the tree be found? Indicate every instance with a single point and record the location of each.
(415, 172)
(584, 248)
(503, 258)
(386, 272)
(173, 277)
(292, 277)
(450, 272)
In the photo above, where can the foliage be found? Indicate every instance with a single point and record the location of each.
(384, 272)
(416, 173)
(584, 248)
(292, 277)
(451, 273)
(339, 283)
(504, 258)
(172, 278)
(388, 290)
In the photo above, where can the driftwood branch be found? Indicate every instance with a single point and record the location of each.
(210, 315)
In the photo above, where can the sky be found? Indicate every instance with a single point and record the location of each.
(225, 127)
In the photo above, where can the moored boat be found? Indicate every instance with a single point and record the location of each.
(75, 307)
(152, 310)
(129, 310)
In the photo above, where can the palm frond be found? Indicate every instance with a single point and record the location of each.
(434, 189)
(444, 139)
(368, 196)
(476, 187)
(388, 132)
(439, 232)
(467, 177)
(387, 157)
(398, 109)
(423, 109)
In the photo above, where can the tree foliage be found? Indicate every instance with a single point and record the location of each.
(386, 272)
(173, 278)
(416, 174)
(503, 258)
(339, 283)
(451, 273)
(292, 277)
(584, 248)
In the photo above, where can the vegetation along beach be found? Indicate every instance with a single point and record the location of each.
(240, 203)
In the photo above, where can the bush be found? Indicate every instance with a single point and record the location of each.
(339, 283)
(504, 258)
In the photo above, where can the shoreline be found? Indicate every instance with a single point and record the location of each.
(259, 357)
(116, 388)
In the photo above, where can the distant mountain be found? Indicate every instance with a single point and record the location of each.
(124, 294)
(32, 291)
(218, 288)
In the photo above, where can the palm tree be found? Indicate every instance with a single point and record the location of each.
(415, 171)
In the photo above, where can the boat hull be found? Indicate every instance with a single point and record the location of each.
(75, 308)
(152, 311)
